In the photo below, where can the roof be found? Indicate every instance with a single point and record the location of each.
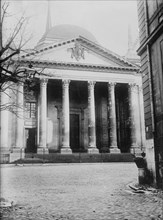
(65, 32)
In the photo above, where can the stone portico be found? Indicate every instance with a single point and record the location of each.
(86, 99)
(97, 114)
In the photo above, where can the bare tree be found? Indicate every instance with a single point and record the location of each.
(10, 50)
(11, 70)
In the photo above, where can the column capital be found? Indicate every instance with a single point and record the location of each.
(132, 85)
(112, 84)
(65, 82)
(43, 81)
(91, 84)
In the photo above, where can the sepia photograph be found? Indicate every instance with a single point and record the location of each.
(81, 110)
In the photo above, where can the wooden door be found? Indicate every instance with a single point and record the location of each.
(74, 132)
(123, 125)
(31, 141)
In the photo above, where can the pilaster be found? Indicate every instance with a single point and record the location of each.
(4, 118)
(142, 120)
(134, 119)
(20, 118)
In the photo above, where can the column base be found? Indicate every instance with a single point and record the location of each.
(42, 151)
(4, 155)
(93, 151)
(135, 150)
(17, 154)
(66, 150)
(5, 150)
(115, 150)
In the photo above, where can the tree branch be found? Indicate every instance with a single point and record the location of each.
(11, 55)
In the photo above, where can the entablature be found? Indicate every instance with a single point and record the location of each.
(95, 76)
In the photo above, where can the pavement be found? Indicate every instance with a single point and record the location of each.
(97, 191)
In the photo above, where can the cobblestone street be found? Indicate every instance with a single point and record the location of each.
(76, 192)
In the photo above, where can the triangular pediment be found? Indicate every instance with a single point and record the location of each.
(79, 51)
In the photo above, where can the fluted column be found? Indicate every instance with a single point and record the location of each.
(91, 119)
(65, 149)
(134, 118)
(112, 118)
(20, 116)
(4, 118)
(43, 117)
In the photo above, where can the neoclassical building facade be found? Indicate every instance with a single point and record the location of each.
(83, 98)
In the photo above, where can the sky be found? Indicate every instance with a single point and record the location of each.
(107, 20)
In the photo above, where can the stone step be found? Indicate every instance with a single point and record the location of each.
(77, 158)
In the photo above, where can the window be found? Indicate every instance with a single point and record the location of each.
(30, 110)
(152, 7)
(161, 48)
(159, 3)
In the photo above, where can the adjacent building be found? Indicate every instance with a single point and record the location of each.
(150, 15)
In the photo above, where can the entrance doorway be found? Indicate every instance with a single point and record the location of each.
(123, 118)
(75, 132)
(31, 140)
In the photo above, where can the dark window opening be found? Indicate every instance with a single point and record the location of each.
(30, 109)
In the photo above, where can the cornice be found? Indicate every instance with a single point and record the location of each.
(78, 66)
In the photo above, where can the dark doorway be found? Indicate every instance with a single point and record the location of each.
(74, 133)
(123, 123)
(31, 140)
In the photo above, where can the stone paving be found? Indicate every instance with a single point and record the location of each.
(76, 192)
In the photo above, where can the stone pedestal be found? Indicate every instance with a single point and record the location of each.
(93, 151)
(141, 175)
(135, 150)
(17, 154)
(42, 151)
(4, 155)
(66, 151)
(142, 168)
(4, 150)
(91, 119)
(114, 150)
